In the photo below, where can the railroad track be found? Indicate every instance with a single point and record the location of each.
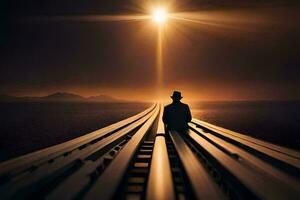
(136, 159)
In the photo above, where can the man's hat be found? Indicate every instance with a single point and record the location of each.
(176, 95)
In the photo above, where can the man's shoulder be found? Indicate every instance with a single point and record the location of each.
(176, 105)
(184, 105)
(168, 106)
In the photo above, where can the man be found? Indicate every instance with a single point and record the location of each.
(177, 115)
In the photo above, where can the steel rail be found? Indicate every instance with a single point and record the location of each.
(99, 164)
(23, 185)
(249, 160)
(160, 183)
(281, 154)
(22, 163)
(284, 150)
(202, 183)
(67, 189)
(263, 187)
(105, 186)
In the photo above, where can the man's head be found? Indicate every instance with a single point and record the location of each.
(176, 96)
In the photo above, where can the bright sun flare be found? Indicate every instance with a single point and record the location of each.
(159, 15)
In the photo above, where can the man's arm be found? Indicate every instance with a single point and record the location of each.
(164, 116)
(189, 115)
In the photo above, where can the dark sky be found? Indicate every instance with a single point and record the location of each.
(252, 52)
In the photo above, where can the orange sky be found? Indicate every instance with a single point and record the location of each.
(231, 54)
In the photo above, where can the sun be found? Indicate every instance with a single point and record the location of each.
(160, 15)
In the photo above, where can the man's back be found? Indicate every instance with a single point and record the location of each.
(176, 116)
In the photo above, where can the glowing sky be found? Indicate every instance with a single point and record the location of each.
(211, 51)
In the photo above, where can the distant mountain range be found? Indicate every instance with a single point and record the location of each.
(61, 97)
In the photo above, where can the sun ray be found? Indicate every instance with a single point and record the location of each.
(159, 58)
(227, 20)
(88, 18)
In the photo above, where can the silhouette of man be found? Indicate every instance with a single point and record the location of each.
(177, 115)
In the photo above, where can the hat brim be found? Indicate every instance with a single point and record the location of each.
(176, 97)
